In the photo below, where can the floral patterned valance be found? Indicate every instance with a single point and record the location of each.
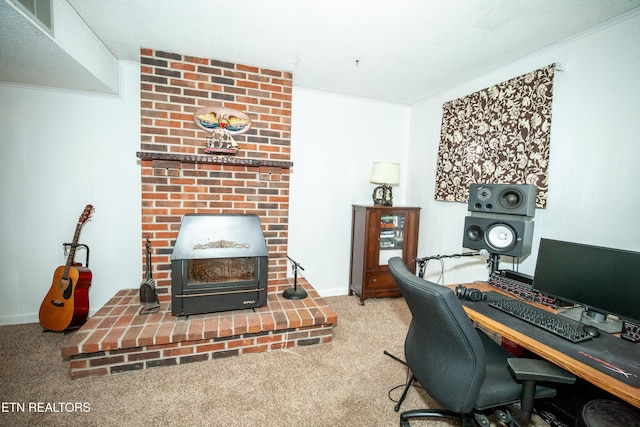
(498, 135)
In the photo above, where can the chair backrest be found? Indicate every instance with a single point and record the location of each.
(442, 348)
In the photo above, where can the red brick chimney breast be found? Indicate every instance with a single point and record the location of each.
(178, 178)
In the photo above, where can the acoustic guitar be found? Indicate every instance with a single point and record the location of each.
(66, 305)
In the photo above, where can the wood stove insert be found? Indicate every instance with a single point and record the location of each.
(219, 263)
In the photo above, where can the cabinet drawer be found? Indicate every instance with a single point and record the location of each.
(380, 280)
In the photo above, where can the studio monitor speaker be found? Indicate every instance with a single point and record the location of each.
(501, 234)
(509, 199)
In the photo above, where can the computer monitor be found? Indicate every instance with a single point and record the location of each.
(602, 280)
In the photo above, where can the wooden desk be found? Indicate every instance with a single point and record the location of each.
(600, 379)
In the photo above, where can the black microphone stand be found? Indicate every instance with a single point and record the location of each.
(295, 293)
(422, 262)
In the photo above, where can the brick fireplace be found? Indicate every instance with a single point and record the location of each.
(177, 178)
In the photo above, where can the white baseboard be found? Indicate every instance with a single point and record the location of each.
(333, 292)
(18, 319)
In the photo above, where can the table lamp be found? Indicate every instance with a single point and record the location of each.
(386, 174)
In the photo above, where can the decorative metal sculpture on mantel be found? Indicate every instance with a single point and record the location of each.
(222, 123)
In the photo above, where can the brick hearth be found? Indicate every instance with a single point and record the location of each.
(118, 339)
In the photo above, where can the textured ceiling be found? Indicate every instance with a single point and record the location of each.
(401, 51)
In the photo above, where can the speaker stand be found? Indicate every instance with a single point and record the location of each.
(493, 261)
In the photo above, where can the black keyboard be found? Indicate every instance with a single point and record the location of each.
(540, 318)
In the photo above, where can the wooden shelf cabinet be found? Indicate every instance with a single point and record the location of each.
(377, 234)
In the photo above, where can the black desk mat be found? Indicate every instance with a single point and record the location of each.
(607, 353)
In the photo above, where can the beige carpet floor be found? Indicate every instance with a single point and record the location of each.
(345, 383)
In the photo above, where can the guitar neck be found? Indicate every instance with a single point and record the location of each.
(72, 252)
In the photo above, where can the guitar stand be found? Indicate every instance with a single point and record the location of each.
(66, 247)
(65, 332)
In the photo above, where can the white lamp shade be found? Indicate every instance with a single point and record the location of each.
(385, 173)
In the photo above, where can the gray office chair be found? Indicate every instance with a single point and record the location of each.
(458, 365)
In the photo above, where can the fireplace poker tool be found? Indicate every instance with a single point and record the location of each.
(295, 293)
(148, 294)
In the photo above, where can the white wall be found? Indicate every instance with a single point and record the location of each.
(61, 150)
(335, 140)
(593, 174)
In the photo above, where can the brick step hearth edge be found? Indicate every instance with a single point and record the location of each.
(118, 339)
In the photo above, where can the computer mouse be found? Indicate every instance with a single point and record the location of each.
(591, 330)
